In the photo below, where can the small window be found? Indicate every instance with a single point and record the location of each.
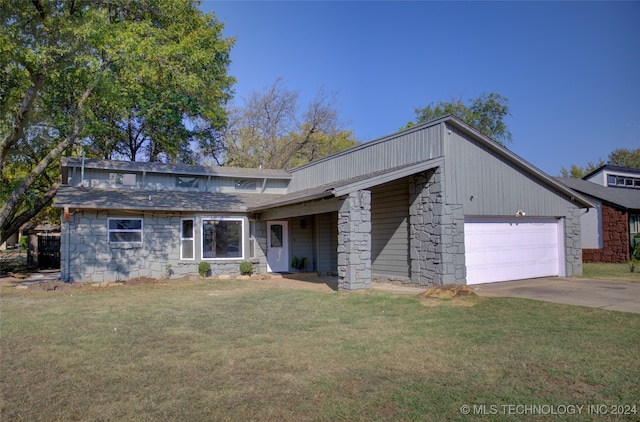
(186, 239)
(126, 179)
(246, 184)
(125, 230)
(611, 180)
(620, 181)
(637, 183)
(252, 239)
(221, 239)
(276, 235)
(187, 182)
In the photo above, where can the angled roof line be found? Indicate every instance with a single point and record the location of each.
(344, 187)
(612, 167)
(520, 162)
(178, 169)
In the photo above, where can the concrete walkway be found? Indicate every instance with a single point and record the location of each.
(611, 295)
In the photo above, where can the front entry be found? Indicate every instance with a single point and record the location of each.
(277, 246)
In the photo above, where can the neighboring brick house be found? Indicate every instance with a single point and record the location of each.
(607, 230)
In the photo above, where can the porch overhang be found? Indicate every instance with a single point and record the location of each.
(325, 198)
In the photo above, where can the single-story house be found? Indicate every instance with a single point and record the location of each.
(608, 230)
(437, 203)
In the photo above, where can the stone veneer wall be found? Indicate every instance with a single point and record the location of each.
(436, 233)
(573, 242)
(354, 241)
(615, 238)
(86, 256)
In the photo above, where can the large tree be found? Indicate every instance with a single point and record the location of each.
(486, 113)
(120, 78)
(622, 157)
(271, 130)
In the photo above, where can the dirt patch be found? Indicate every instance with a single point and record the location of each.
(447, 291)
(140, 280)
(316, 283)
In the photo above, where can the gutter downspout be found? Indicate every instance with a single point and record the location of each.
(67, 258)
(82, 171)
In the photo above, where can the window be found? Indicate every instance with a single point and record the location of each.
(634, 224)
(252, 239)
(276, 235)
(187, 182)
(126, 179)
(623, 181)
(221, 239)
(186, 239)
(246, 184)
(123, 230)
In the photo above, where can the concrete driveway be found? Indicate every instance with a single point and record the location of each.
(604, 294)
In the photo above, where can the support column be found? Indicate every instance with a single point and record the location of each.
(436, 236)
(354, 241)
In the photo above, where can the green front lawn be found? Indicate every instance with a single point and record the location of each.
(236, 350)
(618, 271)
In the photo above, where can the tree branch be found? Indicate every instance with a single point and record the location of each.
(14, 224)
(9, 207)
(20, 119)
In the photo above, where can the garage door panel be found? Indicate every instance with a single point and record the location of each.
(511, 250)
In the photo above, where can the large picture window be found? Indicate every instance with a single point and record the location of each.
(221, 239)
(186, 239)
(125, 230)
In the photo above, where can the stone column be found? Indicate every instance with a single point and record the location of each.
(573, 242)
(354, 241)
(436, 233)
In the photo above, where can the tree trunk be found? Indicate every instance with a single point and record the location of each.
(9, 208)
(20, 119)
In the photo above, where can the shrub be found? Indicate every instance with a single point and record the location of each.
(203, 268)
(299, 263)
(246, 268)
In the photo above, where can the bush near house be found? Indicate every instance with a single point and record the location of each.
(203, 268)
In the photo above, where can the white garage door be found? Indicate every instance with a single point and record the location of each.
(501, 249)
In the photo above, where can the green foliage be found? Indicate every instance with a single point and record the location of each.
(136, 80)
(203, 268)
(635, 247)
(625, 158)
(299, 263)
(246, 268)
(486, 113)
(620, 157)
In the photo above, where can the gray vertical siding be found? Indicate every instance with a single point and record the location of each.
(390, 229)
(407, 147)
(301, 240)
(327, 243)
(488, 185)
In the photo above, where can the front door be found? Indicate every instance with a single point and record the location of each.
(277, 246)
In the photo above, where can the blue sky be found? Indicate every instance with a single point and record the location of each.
(571, 70)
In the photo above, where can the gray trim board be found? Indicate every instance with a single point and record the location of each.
(177, 169)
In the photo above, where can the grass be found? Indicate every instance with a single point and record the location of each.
(235, 350)
(618, 271)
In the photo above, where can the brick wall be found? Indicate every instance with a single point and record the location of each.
(615, 238)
